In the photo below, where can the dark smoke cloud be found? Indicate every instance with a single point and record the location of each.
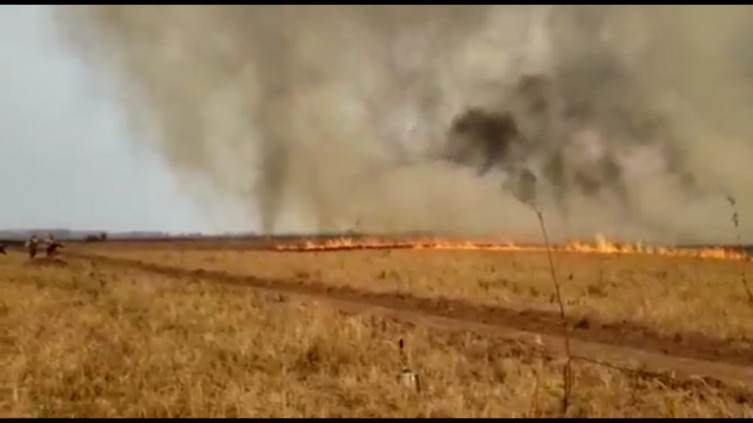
(626, 120)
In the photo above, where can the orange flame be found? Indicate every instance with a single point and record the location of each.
(601, 246)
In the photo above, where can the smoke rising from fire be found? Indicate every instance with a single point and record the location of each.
(631, 121)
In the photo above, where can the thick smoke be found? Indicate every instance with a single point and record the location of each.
(632, 121)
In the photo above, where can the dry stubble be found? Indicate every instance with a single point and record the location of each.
(143, 345)
(669, 294)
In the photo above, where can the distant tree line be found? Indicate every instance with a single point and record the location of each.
(96, 237)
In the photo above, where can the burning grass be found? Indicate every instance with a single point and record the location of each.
(86, 341)
(601, 246)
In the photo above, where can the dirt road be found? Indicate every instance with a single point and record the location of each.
(625, 344)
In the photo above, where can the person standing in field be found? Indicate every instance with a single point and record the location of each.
(31, 245)
(52, 246)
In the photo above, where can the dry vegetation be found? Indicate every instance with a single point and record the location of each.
(84, 341)
(671, 294)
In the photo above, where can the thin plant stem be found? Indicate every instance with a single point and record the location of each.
(567, 369)
(735, 222)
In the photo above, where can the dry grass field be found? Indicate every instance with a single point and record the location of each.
(90, 338)
(669, 294)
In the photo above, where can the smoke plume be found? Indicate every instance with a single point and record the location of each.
(630, 121)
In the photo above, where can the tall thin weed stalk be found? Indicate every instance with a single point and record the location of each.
(567, 371)
(736, 222)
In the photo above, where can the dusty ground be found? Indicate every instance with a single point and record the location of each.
(107, 339)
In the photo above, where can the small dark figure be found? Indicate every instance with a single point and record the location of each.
(2, 249)
(32, 245)
(52, 246)
(407, 377)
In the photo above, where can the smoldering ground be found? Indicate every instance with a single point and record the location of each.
(630, 121)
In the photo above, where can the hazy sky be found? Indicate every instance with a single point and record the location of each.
(65, 158)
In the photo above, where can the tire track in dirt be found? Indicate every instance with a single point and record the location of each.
(625, 344)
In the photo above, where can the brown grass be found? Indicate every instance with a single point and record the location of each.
(146, 346)
(671, 294)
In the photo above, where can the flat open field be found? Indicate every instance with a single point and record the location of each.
(216, 329)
